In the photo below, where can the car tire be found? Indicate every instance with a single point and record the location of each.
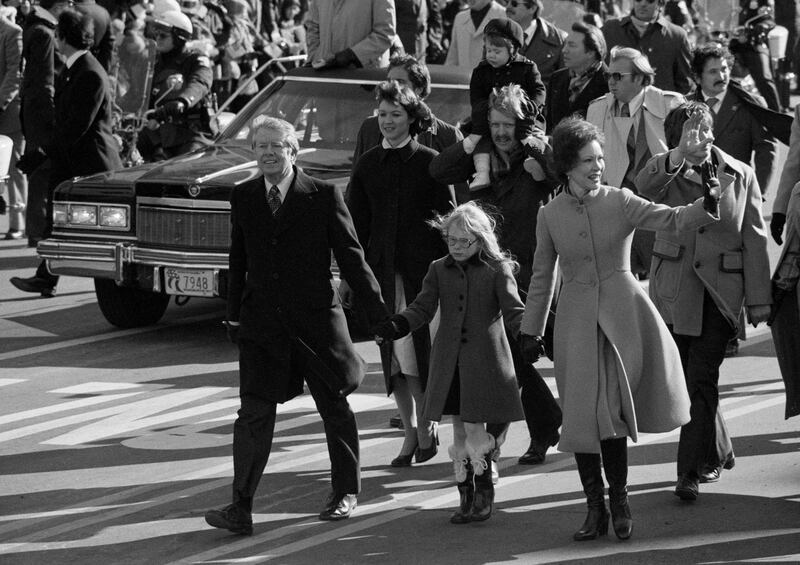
(128, 307)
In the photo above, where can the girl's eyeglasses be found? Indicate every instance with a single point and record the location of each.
(458, 241)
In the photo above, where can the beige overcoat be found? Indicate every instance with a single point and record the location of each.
(602, 305)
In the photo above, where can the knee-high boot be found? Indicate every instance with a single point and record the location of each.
(596, 523)
(464, 482)
(615, 463)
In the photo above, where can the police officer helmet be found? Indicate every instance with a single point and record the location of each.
(178, 22)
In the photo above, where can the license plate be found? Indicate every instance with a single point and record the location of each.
(190, 282)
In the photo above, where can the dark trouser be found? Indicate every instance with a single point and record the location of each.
(542, 412)
(254, 429)
(37, 224)
(701, 357)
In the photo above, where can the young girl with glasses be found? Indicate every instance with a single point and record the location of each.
(471, 375)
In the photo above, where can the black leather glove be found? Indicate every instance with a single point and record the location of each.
(392, 328)
(776, 226)
(710, 188)
(532, 347)
(346, 58)
(233, 332)
(31, 161)
(172, 109)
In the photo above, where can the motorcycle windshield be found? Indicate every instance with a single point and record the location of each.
(134, 74)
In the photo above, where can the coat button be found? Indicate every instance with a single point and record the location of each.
(583, 234)
(579, 210)
(697, 264)
(701, 230)
(460, 308)
(461, 297)
(274, 241)
(463, 330)
(275, 276)
(588, 258)
(463, 340)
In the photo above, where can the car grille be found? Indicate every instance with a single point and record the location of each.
(194, 229)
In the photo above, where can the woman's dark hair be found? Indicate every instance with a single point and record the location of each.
(673, 123)
(418, 73)
(76, 29)
(393, 92)
(569, 137)
(703, 53)
(593, 39)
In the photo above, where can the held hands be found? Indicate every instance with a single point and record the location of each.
(171, 110)
(343, 58)
(710, 188)
(390, 329)
(532, 347)
(758, 313)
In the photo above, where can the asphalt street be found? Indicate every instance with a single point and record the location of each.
(114, 443)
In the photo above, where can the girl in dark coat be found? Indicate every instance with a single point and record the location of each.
(472, 373)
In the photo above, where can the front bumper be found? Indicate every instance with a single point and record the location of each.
(125, 262)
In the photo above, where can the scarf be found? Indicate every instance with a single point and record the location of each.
(578, 82)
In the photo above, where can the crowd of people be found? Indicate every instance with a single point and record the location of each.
(609, 142)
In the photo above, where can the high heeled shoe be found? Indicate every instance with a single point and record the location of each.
(424, 454)
(405, 460)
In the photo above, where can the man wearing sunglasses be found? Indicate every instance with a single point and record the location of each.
(632, 116)
(665, 44)
(543, 41)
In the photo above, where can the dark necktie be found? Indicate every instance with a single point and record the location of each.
(274, 199)
(625, 112)
(711, 102)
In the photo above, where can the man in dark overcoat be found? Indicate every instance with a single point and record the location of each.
(518, 197)
(665, 44)
(542, 41)
(82, 142)
(103, 46)
(284, 313)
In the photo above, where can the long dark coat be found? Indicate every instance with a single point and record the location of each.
(82, 142)
(281, 282)
(558, 105)
(391, 197)
(478, 302)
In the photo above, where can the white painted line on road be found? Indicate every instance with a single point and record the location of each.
(6, 382)
(62, 407)
(792, 558)
(111, 334)
(94, 387)
(9, 330)
(62, 512)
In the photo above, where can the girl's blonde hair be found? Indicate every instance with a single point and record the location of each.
(473, 218)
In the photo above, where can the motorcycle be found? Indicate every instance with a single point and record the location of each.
(132, 77)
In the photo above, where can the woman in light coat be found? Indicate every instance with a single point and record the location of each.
(617, 368)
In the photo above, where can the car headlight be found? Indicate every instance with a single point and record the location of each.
(114, 216)
(59, 214)
(83, 215)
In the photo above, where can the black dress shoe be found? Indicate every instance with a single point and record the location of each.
(34, 284)
(688, 487)
(339, 507)
(538, 450)
(13, 234)
(233, 518)
(402, 460)
(422, 454)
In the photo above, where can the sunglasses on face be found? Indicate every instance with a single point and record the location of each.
(616, 76)
(515, 3)
(163, 34)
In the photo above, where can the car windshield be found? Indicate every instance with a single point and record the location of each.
(327, 115)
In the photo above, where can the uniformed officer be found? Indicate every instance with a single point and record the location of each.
(751, 47)
(181, 92)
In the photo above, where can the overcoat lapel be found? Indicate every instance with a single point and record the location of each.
(727, 112)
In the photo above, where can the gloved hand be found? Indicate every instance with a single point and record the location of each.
(170, 110)
(346, 58)
(539, 154)
(776, 226)
(31, 160)
(390, 329)
(532, 347)
(710, 188)
(233, 332)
